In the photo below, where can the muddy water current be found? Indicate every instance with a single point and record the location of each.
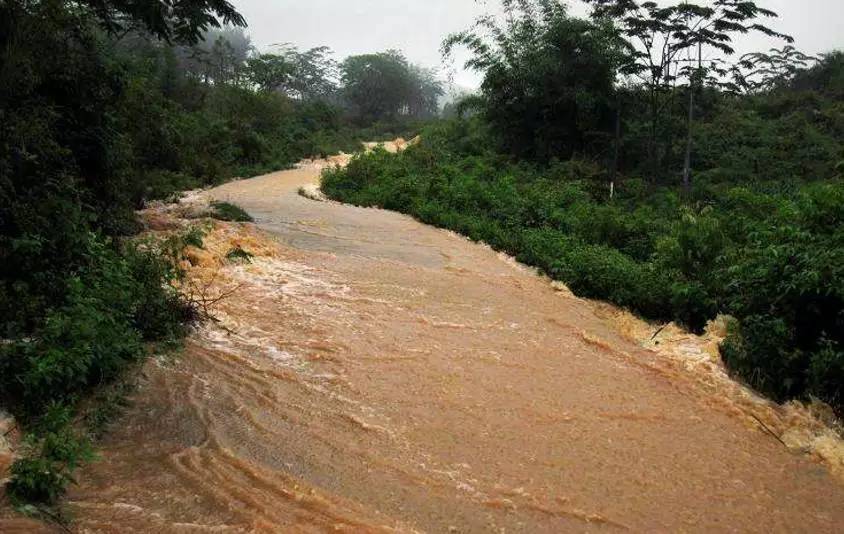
(368, 373)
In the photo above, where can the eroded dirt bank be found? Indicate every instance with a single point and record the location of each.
(370, 373)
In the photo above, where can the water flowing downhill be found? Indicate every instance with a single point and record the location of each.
(370, 373)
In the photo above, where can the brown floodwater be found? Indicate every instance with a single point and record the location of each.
(369, 373)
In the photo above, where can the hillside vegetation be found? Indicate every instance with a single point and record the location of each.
(707, 191)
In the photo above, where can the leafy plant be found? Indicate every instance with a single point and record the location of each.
(43, 476)
(548, 77)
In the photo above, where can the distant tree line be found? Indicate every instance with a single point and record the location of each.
(368, 88)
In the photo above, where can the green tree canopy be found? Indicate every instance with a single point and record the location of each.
(548, 77)
(269, 72)
(178, 20)
(308, 75)
(385, 85)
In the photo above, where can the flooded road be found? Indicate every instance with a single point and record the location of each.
(369, 373)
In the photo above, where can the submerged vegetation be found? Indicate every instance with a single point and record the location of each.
(730, 202)
(238, 254)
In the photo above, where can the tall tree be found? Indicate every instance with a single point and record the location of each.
(675, 42)
(548, 78)
(269, 72)
(220, 56)
(305, 76)
(765, 71)
(377, 86)
(314, 74)
(425, 92)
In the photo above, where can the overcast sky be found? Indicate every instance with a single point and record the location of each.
(418, 26)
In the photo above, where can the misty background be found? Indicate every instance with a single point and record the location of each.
(418, 27)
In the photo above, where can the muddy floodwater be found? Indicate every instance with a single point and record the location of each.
(369, 373)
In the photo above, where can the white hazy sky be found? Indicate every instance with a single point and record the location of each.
(418, 26)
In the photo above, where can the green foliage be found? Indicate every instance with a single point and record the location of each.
(826, 77)
(238, 133)
(548, 78)
(306, 76)
(774, 137)
(226, 211)
(159, 311)
(785, 284)
(112, 303)
(384, 86)
(117, 299)
(57, 449)
(667, 44)
(43, 478)
(103, 106)
(81, 127)
(270, 72)
(185, 20)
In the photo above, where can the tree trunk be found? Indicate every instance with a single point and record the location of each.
(652, 136)
(617, 147)
(687, 160)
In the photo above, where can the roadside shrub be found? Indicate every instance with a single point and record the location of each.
(117, 298)
(826, 372)
(785, 285)
(757, 350)
(159, 311)
(44, 476)
(599, 271)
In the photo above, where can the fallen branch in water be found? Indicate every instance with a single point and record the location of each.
(201, 302)
(661, 328)
(11, 428)
(771, 432)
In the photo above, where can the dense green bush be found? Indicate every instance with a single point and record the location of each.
(57, 449)
(768, 252)
(111, 304)
(548, 78)
(117, 298)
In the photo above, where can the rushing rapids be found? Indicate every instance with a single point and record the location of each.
(368, 373)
